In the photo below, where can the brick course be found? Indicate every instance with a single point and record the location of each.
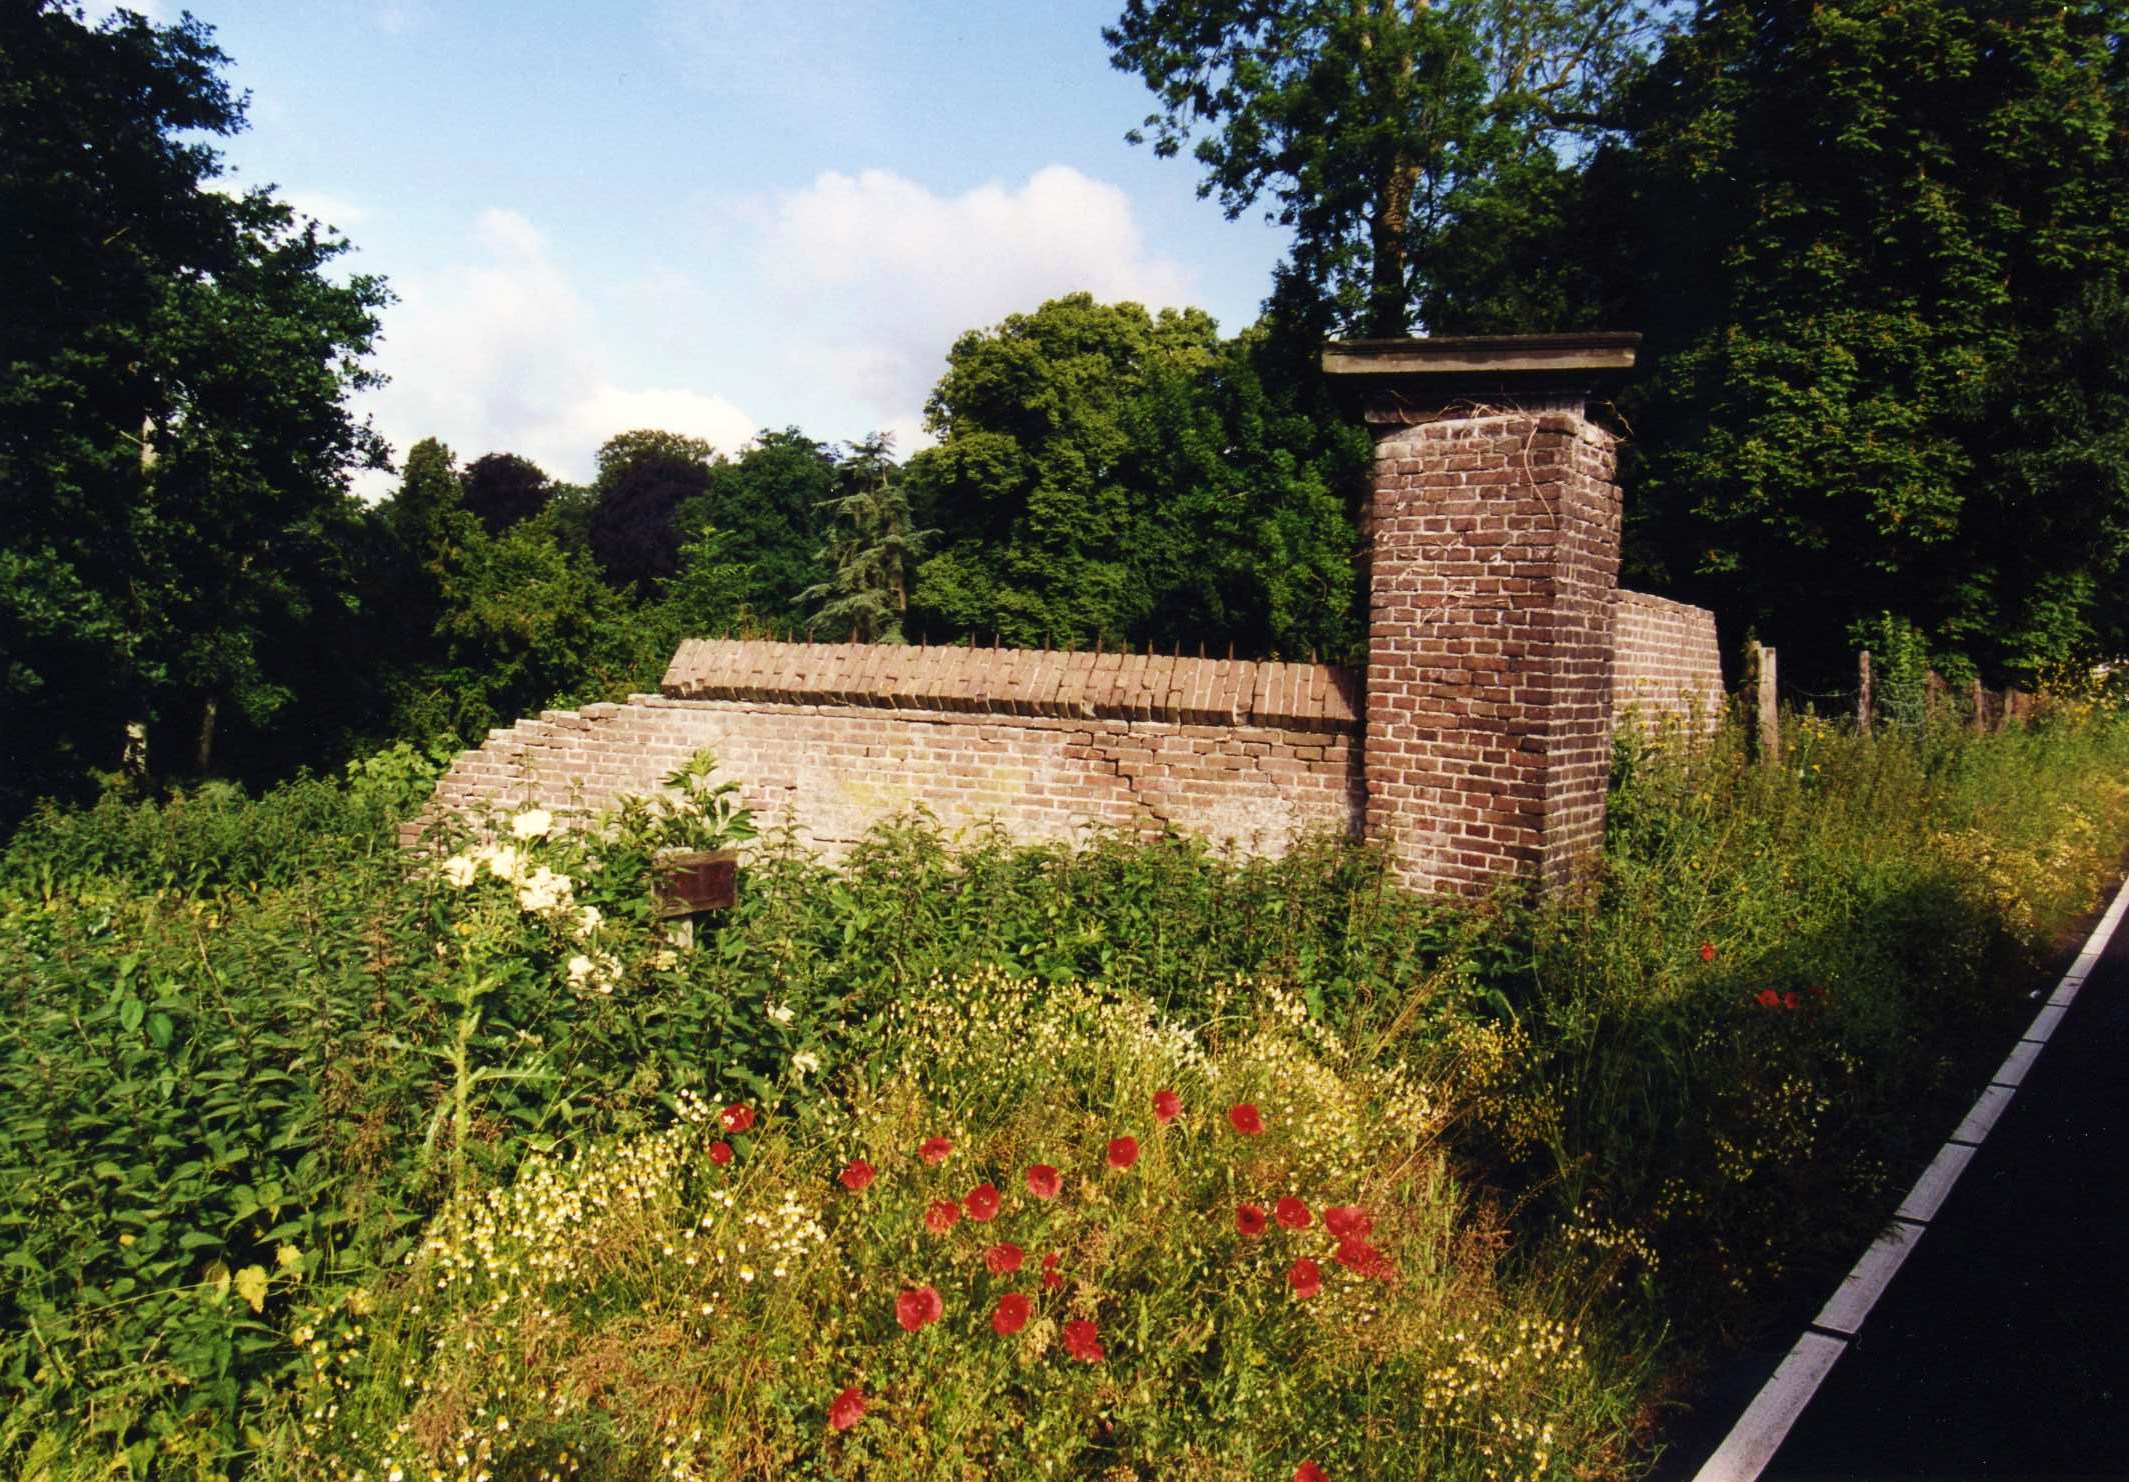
(832, 738)
(1494, 565)
(1667, 664)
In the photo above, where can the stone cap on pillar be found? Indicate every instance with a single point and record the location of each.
(1387, 376)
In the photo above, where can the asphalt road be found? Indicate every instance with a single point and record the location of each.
(2000, 1349)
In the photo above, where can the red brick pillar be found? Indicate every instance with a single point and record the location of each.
(1495, 557)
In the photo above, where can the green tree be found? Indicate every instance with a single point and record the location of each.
(499, 489)
(1881, 254)
(174, 435)
(1372, 124)
(1108, 475)
(645, 477)
(871, 550)
(1029, 485)
(525, 625)
(771, 501)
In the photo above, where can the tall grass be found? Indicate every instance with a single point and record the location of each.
(252, 1060)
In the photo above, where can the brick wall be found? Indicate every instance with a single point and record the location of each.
(1495, 558)
(832, 738)
(1667, 663)
(1500, 653)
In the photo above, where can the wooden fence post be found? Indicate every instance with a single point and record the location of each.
(1760, 695)
(1981, 706)
(1862, 692)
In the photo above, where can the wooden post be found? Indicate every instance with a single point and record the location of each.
(1863, 715)
(1760, 695)
(1981, 706)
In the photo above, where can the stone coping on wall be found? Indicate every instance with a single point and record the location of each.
(1074, 685)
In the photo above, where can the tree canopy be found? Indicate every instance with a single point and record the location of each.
(1373, 125)
(1105, 474)
(174, 431)
(1882, 257)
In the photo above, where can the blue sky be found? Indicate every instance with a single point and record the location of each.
(713, 217)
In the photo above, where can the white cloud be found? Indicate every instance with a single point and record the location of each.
(500, 352)
(878, 274)
(334, 211)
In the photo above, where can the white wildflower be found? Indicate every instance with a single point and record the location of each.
(533, 823)
(780, 1013)
(580, 968)
(805, 1062)
(588, 919)
(545, 891)
(460, 870)
(504, 862)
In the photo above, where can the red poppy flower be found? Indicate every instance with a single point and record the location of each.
(1357, 1255)
(1818, 992)
(1051, 1281)
(1789, 998)
(982, 1202)
(720, 1152)
(858, 1176)
(737, 1117)
(1348, 1222)
(1305, 1277)
(917, 1307)
(934, 1149)
(1707, 951)
(1004, 1258)
(1308, 1471)
(846, 1409)
(941, 1216)
(1249, 1219)
(1292, 1213)
(1767, 998)
(1011, 1316)
(1051, 1261)
(1244, 1116)
(1167, 1106)
(1082, 1340)
(1123, 1152)
(1043, 1181)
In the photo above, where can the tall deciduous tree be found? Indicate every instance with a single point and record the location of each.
(174, 434)
(499, 489)
(644, 478)
(771, 502)
(1882, 254)
(1108, 475)
(1368, 122)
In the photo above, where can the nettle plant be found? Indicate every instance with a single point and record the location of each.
(1035, 1230)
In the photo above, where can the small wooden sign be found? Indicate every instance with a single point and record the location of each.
(698, 880)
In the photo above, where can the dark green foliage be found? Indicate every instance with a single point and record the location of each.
(871, 551)
(634, 530)
(772, 501)
(1880, 253)
(1109, 475)
(525, 624)
(173, 431)
(499, 489)
(1375, 126)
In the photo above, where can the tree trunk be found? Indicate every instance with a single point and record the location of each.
(1387, 237)
(205, 753)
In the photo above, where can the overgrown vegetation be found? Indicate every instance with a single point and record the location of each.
(257, 1102)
